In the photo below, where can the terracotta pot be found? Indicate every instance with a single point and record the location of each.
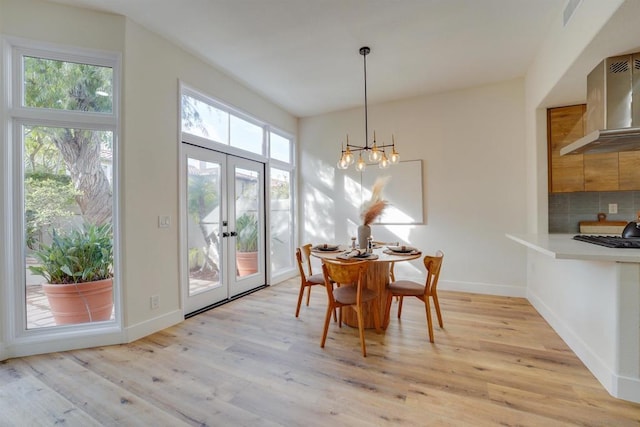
(80, 302)
(247, 263)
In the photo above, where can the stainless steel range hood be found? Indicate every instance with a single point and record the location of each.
(605, 141)
(612, 121)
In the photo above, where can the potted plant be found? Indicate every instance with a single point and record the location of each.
(247, 244)
(78, 268)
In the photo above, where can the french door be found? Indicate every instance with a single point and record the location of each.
(223, 227)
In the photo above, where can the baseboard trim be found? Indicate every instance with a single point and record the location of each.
(626, 388)
(4, 354)
(483, 288)
(618, 386)
(148, 327)
(577, 345)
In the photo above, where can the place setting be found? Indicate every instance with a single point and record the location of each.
(357, 254)
(401, 250)
(326, 248)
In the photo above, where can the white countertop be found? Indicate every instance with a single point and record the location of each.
(562, 246)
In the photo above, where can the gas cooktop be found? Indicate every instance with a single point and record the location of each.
(610, 241)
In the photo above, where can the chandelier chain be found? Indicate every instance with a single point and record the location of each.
(364, 52)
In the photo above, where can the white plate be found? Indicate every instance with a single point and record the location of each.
(362, 256)
(401, 249)
(327, 247)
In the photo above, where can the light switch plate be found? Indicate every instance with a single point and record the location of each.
(164, 221)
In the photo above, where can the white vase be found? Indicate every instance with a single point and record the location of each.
(364, 232)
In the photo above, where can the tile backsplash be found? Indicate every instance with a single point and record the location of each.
(566, 210)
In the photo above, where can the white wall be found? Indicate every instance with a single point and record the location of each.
(48, 22)
(149, 163)
(472, 146)
(594, 307)
(153, 68)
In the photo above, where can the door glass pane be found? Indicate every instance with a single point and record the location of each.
(62, 85)
(203, 225)
(246, 135)
(202, 119)
(67, 187)
(281, 220)
(247, 221)
(280, 148)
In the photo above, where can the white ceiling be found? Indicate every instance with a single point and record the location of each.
(303, 54)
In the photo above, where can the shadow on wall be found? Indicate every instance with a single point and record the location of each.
(331, 203)
(566, 210)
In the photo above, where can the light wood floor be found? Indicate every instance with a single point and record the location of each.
(252, 363)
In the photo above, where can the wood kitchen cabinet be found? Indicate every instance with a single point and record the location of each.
(585, 172)
(601, 172)
(564, 126)
(629, 176)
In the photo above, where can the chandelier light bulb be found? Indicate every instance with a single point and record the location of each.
(348, 156)
(395, 157)
(374, 154)
(384, 161)
(342, 163)
(360, 164)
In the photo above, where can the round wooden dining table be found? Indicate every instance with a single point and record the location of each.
(377, 279)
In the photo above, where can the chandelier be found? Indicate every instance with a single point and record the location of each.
(376, 153)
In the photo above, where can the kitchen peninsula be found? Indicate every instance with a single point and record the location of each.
(590, 295)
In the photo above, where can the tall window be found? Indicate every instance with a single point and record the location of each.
(219, 124)
(281, 220)
(282, 203)
(63, 130)
(227, 130)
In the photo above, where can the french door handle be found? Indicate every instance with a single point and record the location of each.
(233, 233)
(225, 234)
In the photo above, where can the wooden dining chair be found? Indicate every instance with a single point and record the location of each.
(307, 278)
(408, 288)
(306, 252)
(350, 293)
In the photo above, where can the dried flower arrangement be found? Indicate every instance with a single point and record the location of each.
(372, 209)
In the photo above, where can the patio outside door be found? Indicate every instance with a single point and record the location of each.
(223, 227)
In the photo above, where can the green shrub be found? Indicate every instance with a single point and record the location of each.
(81, 255)
(48, 197)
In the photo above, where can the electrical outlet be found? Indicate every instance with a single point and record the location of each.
(155, 302)
(164, 221)
(613, 208)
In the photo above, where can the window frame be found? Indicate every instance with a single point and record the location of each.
(282, 135)
(291, 168)
(264, 158)
(217, 145)
(14, 118)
